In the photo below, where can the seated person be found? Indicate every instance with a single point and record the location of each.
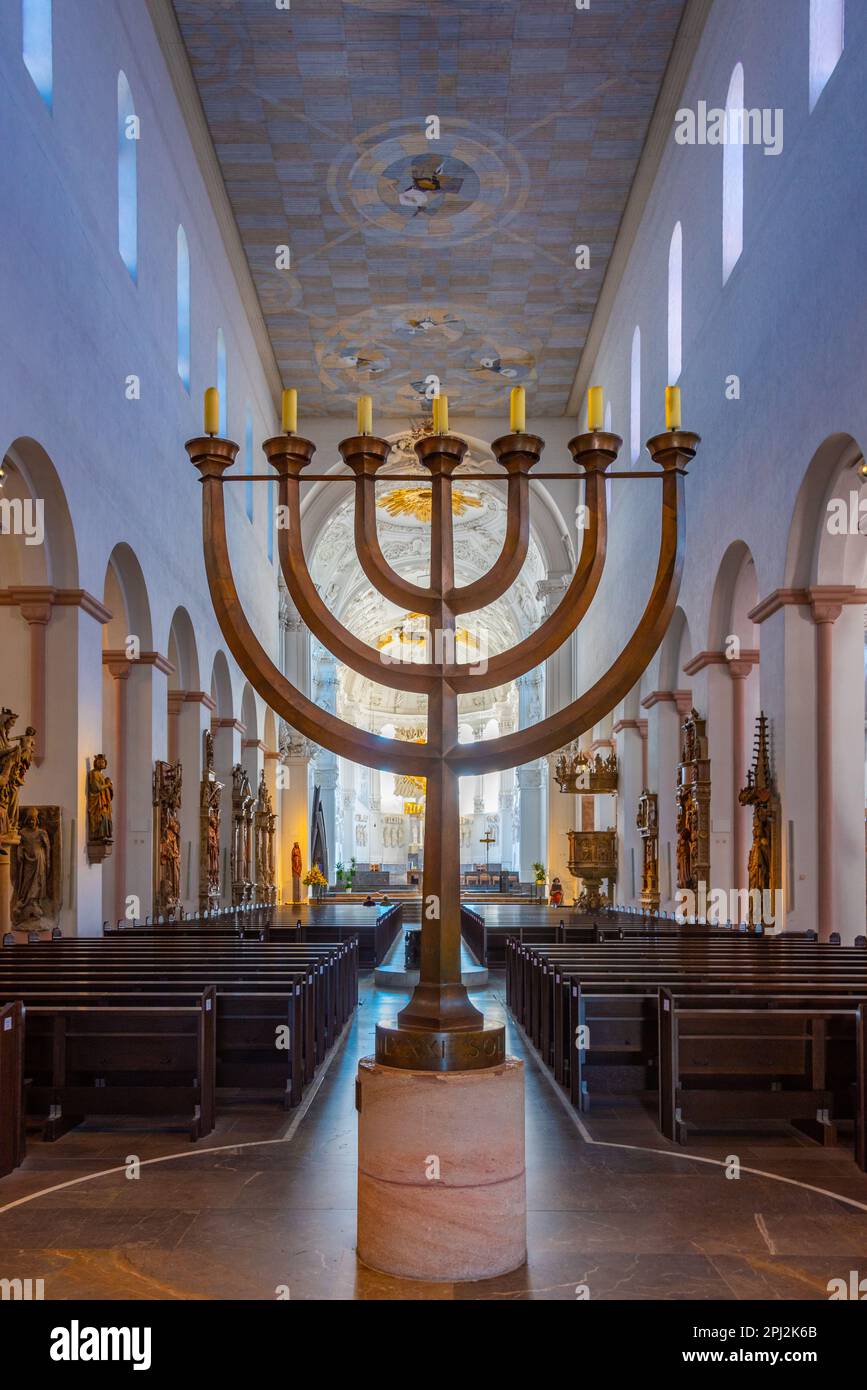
(556, 895)
(368, 902)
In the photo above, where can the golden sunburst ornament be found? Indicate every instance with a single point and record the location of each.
(416, 502)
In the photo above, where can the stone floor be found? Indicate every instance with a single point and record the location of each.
(613, 1209)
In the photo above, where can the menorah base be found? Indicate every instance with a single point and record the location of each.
(418, 1049)
(441, 1184)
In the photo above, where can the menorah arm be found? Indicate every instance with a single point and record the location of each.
(212, 457)
(365, 455)
(289, 455)
(581, 714)
(517, 453)
(594, 452)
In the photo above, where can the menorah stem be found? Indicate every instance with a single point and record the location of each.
(440, 1002)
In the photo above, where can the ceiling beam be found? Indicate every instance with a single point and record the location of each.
(680, 63)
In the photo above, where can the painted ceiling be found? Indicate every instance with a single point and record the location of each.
(413, 257)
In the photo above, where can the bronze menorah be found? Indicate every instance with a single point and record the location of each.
(439, 1029)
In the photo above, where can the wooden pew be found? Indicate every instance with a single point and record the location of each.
(121, 1059)
(320, 981)
(11, 1086)
(727, 1061)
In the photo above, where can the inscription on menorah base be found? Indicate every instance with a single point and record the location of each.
(422, 1050)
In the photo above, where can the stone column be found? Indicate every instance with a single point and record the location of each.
(667, 709)
(530, 779)
(825, 613)
(35, 606)
(631, 747)
(294, 808)
(227, 752)
(119, 670)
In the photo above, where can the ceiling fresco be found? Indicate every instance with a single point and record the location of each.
(409, 256)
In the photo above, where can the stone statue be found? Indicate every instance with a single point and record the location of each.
(759, 864)
(16, 755)
(32, 870)
(170, 861)
(685, 825)
(168, 786)
(100, 794)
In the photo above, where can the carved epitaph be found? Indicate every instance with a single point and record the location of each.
(693, 805)
(764, 863)
(37, 865)
(647, 821)
(241, 858)
(265, 834)
(210, 819)
(168, 779)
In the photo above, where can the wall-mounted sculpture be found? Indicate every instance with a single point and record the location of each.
(16, 755)
(241, 858)
(265, 833)
(693, 805)
(100, 814)
(37, 863)
(210, 820)
(168, 780)
(764, 864)
(647, 821)
(592, 858)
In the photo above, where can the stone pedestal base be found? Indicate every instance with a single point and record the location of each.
(441, 1186)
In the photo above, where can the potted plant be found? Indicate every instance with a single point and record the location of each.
(540, 874)
(315, 879)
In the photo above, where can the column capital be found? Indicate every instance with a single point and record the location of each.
(155, 659)
(827, 601)
(681, 699)
(229, 724)
(63, 598)
(117, 665)
(639, 725)
(748, 656)
(254, 743)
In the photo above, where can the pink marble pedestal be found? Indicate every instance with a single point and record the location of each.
(441, 1186)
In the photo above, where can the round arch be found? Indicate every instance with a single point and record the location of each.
(32, 478)
(183, 652)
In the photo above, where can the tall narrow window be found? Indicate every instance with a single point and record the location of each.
(127, 180)
(827, 21)
(271, 521)
(183, 308)
(36, 46)
(223, 383)
(675, 305)
(733, 174)
(248, 462)
(635, 397)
